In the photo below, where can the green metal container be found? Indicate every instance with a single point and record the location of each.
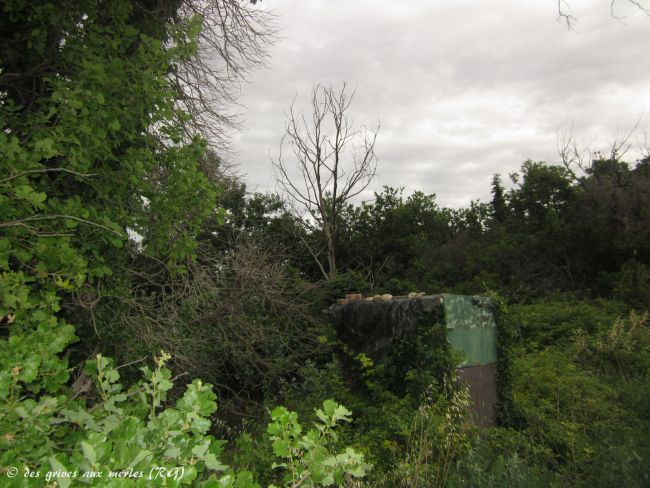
(471, 328)
(381, 330)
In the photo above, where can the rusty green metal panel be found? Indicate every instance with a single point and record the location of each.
(471, 328)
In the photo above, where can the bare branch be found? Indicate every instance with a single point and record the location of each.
(35, 218)
(636, 3)
(46, 170)
(574, 156)
(644, 148)
(621, 143)
(314, 255)
(232, 42)
(566, 16)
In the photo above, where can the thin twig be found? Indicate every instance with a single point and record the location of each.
(34, 218)
(46, 170)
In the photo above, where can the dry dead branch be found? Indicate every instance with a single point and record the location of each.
(334, 163)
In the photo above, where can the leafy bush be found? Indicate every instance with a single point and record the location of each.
(305, 458)
(382, 424)
(554, 322)
(503, 457)
(311, 383)
(583, 401)
(563, 404)
(121, 435)
(437, 438)
(131, 438)
(510, 470)
(622, 350)
(632, 285)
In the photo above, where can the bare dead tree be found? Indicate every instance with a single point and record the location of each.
(334, 163)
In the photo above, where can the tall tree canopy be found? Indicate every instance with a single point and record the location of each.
(96, 144)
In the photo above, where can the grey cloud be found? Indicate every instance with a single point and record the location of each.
(462, 90)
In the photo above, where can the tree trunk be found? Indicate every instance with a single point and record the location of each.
(331, 252)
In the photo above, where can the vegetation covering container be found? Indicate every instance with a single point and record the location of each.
(472, 329)
(411, 342)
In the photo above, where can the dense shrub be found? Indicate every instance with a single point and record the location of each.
(238, 320)
(544, 323)
(632, 285)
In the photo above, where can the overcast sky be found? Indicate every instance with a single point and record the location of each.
(462, 89)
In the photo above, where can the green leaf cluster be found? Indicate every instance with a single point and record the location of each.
(99, 169)
(305, 457)
(118, 432)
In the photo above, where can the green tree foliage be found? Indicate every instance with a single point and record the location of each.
(114, 218)
(94, 148)
(305, 458)
(499, 205)
(572, 233)
(92, 155)
(86, 160)
(91, 148)
(550, 231)
(388, 238)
